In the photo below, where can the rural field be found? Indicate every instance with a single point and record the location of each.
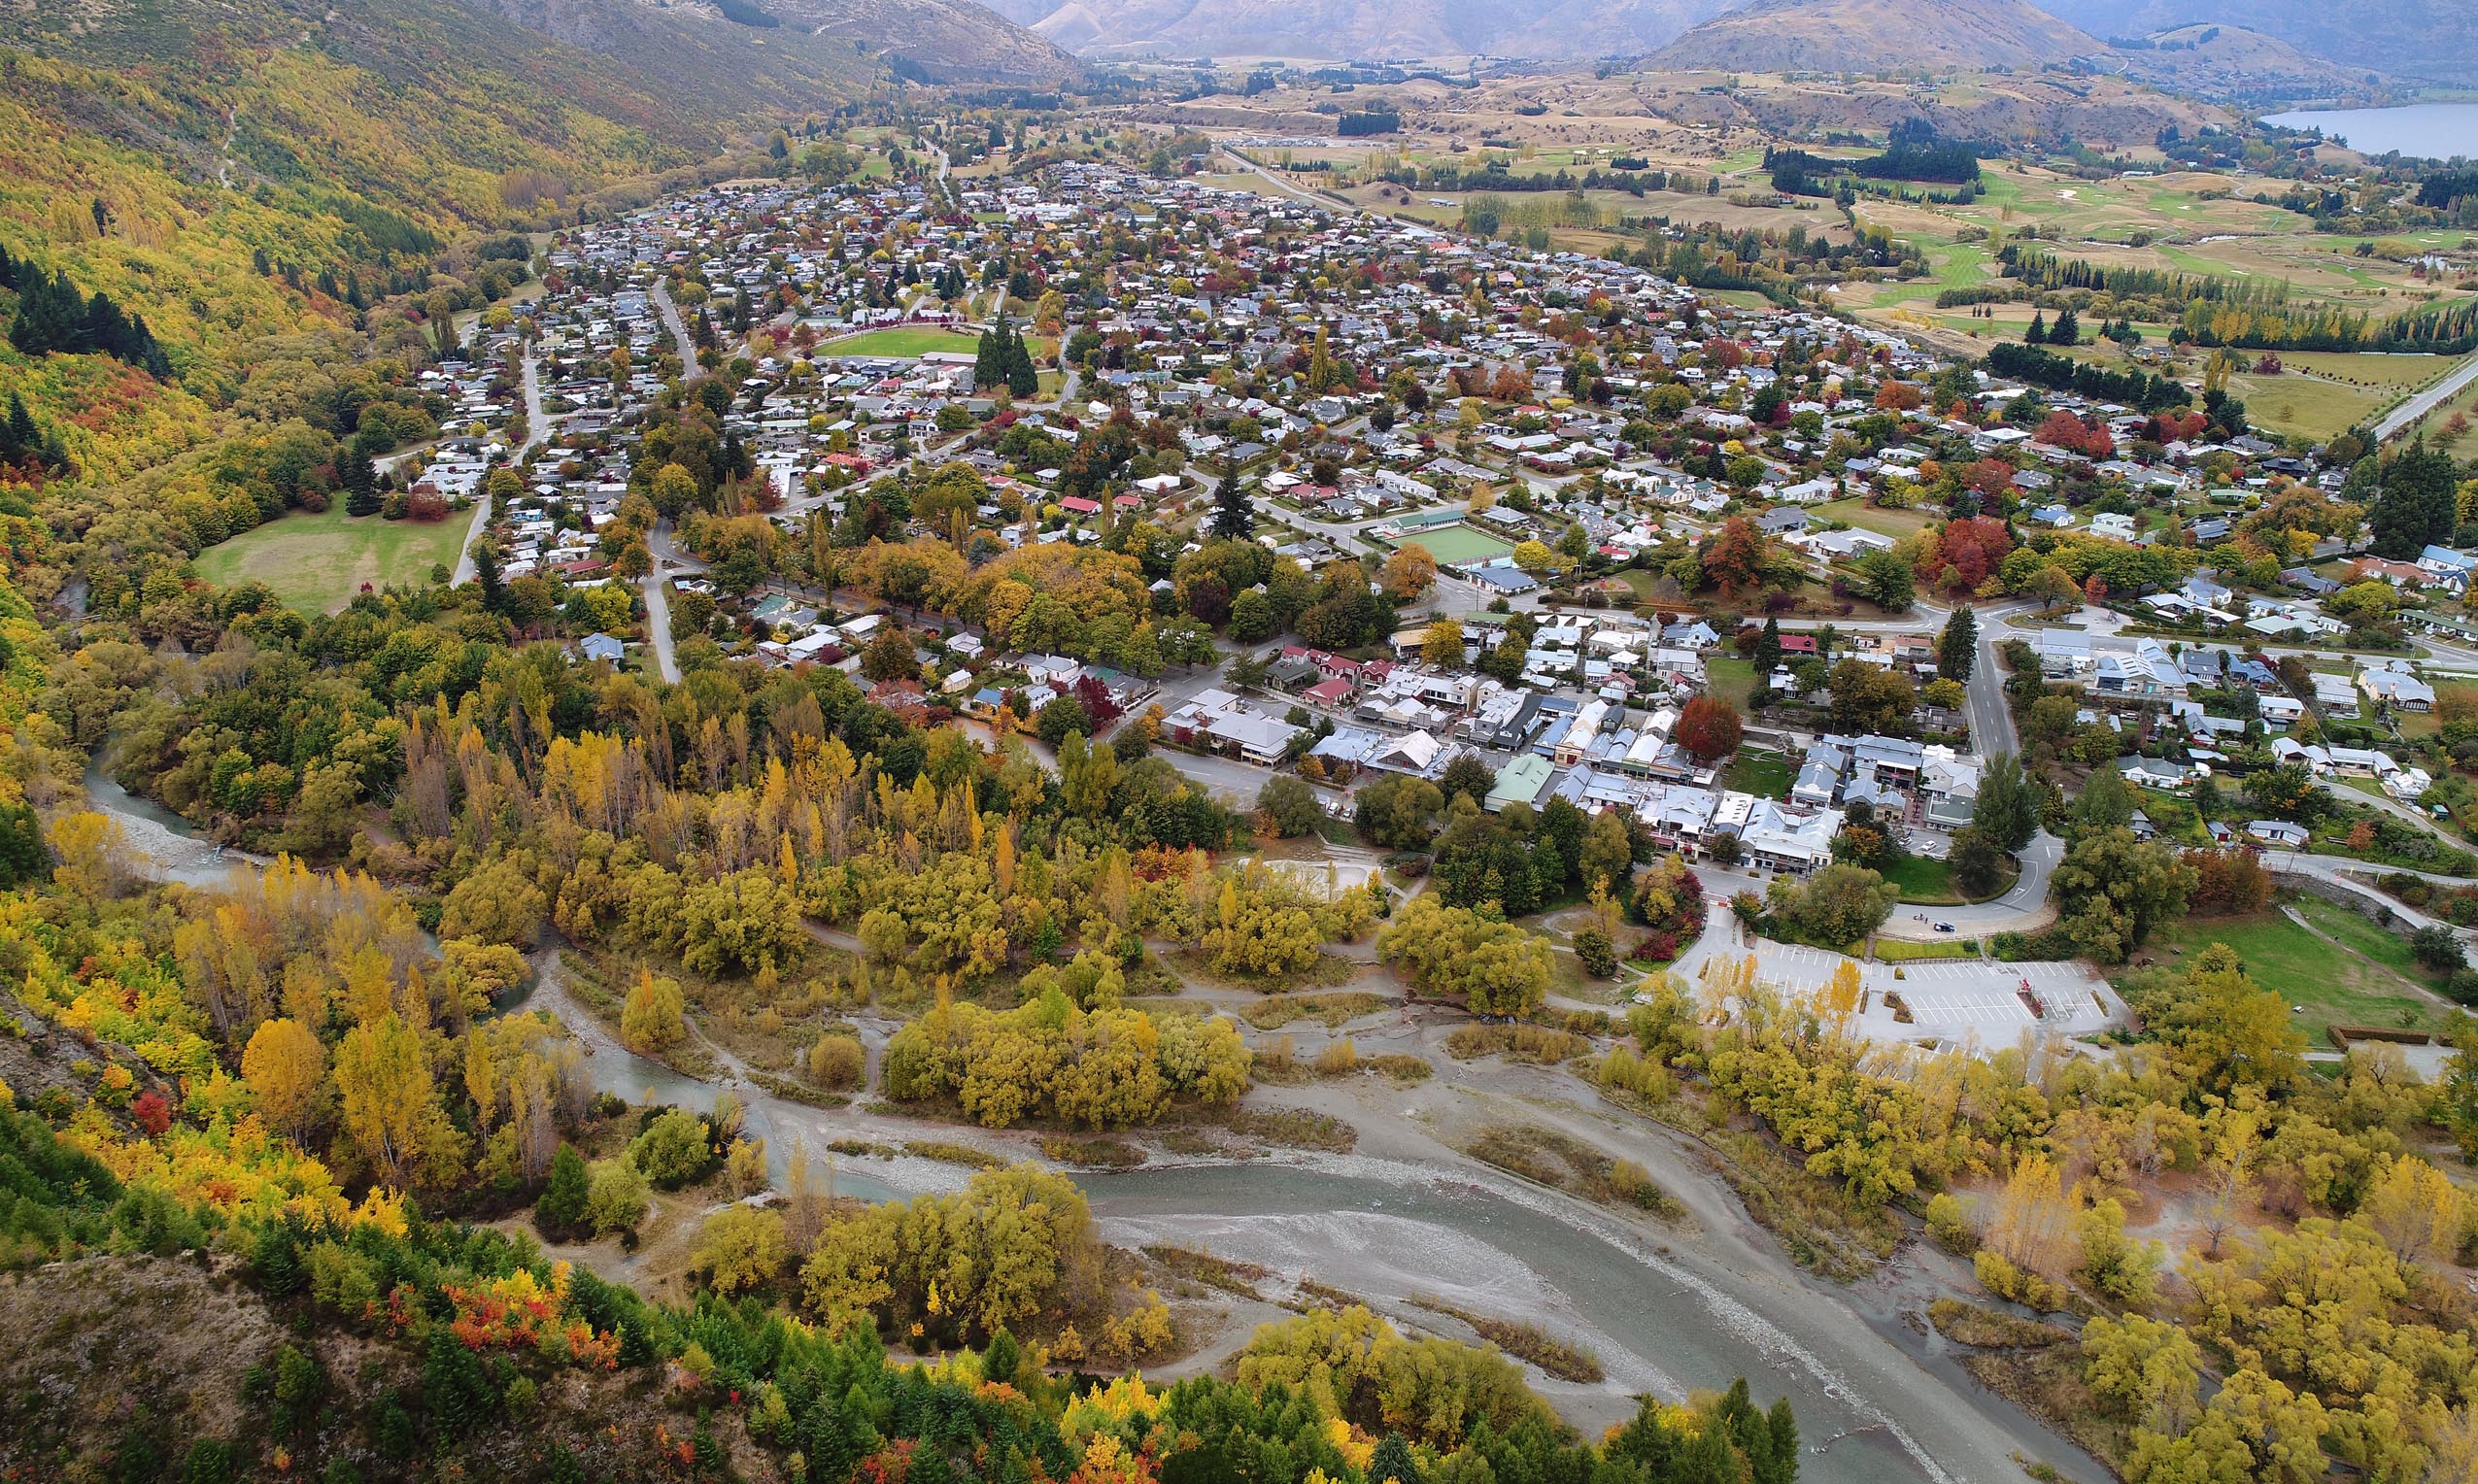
(318, 562)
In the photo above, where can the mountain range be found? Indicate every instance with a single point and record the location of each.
(2419, 39)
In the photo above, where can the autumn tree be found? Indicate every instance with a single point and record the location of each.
(1709, 728)
(286, 1069)
(389, 1107)
(1409, 572)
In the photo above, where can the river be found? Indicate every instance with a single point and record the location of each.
(2425, 130)
(1877, 1403)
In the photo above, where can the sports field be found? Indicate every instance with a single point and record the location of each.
(1454, 545)
(316, 563)
(903, 340)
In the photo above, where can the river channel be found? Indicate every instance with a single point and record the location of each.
(1876, 1401)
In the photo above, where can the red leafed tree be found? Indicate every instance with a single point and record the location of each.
(1992, 478)
(1897, 396)
(1709, 728)
(2064, 431)
(1733, 557)
(1965, 554)
(1728, 355)
(151, 1113)
(1095, 698)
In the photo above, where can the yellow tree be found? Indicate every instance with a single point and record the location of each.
(287, 1067)
(383, 1075)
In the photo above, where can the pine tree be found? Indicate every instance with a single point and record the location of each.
(2067, 330)
(486, 574)
(360, 481)
(2037, 334)
(1957, 648)
(1768, 650)
(1234, 518)
(563, 1203)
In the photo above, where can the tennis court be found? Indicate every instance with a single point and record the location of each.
(1454, 545)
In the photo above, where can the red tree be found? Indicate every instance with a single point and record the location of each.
(1709, 728)
(152, 1112)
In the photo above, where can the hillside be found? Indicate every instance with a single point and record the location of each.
(2233, 64)
(942, 39)
(1361, 28)
(2434, 40)
(1874, 35)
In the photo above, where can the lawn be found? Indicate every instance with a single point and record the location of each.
(903, 340)
(1897, 523)
(1733, 680)
(1927, 883)
(1454, 545)
(318, 562)
(2327, 986)
(1766, 775)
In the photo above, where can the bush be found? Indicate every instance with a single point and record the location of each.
(838, 1062)
(673, 1149)
(1596, 953)
(2436, 947)
(616, 1197)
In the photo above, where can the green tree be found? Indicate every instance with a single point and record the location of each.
(1957, 647)
(2006, 811)
(561, 1206)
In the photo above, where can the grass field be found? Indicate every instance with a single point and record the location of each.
(1731, 679)
(2366, 980)
(318, 562)
(1766, 775)
(903, 340)
(1453, 545)
(1897, 523)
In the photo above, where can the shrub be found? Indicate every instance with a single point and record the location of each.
(1596, 953)
(838, 1062)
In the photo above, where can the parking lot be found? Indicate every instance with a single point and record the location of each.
(1963, 1000)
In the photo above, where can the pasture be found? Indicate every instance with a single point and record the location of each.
(316, 563)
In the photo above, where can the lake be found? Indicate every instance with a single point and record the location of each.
(2431, 130)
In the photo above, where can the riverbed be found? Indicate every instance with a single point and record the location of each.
(1668, 1312)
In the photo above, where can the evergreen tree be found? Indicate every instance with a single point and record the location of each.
(1957, 647)
(360, 481)
(1393, 1461)
(2037, 334)
(1768, 650)
(1021, 379)
(1234, 518)
(2006, 810)
(486, 573)
(2066, 330)
(563, 1203)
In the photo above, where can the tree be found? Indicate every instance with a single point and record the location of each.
(1886, 579)
(1768, 650)
(2006, 811)
(287, 1068)
(1291, 805)
(2415, 502)
(1957, 647)
(1977, 863)
(1394, 812)
(617, 1197)
(1534, 557)
(2221, 1029)
(382, 1075)
(1470, 775)
(1233, 517)
(2113, 889)
(1871, 698)
(652, 1017)
(1608, 858)
(1409, 572)
(1495, 968)
(890, 657)
(740, 1247)
(1060, 717)
(1709, 728)
(1442, 645)
(561, 1206)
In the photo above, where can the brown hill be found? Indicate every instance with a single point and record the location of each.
(1877, 36)
(2431, 38)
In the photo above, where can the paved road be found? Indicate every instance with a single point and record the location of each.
(537, 431)
(680, 337)
(2399, 417)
